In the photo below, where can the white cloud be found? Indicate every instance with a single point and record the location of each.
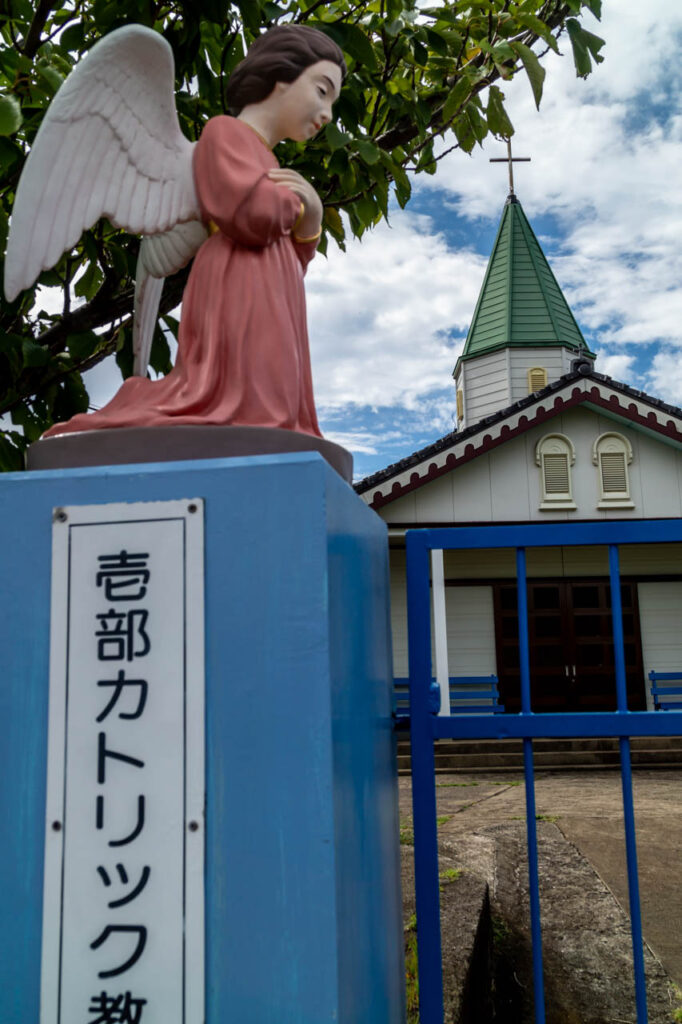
(665, 376)
(618, 365)
(364, 442)
(382, 316)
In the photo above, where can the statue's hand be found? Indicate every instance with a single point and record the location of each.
(311, 222)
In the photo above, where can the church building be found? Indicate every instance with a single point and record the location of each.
(542, 437)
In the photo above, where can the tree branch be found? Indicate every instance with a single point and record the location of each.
(102, 310)
(32, 41)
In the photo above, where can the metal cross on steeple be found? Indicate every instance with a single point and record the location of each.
(510, 160)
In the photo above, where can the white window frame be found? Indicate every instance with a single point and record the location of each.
(612, 443)
(555, 444)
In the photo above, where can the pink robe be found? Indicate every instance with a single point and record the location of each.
(243, 342)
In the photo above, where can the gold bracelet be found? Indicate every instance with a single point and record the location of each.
(303, 241)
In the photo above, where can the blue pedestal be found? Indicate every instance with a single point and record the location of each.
(303, 913)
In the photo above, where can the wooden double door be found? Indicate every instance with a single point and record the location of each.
(570, 634)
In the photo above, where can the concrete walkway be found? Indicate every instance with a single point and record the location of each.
(586, 809)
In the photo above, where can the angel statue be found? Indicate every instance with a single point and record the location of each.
(111, 146)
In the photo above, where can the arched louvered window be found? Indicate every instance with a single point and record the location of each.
(555, 455)
(537, 379)
(460, 404)
(612, 454)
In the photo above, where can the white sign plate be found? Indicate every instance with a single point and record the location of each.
(123, 905)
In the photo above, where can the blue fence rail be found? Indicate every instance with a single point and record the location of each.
(426, 728)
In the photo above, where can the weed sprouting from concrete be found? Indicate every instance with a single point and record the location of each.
(677, 1013)
(406, 832)
(411, 970)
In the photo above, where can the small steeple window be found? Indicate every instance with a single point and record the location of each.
(555, 454)
(460, 404)
(537, 379)
(611, 454)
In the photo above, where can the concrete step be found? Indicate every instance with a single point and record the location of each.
(552, 755)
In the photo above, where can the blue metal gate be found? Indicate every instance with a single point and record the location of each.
(425, 728)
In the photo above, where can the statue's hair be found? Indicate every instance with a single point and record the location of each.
(279, 55)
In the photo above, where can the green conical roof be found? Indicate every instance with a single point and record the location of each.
(520, 305)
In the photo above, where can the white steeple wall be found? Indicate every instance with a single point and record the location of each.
(491, 382)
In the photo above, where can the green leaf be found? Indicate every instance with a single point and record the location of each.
(87, 285)
(436, 42)
(72, 37)
(119, 259)
(469, 128)
(34, 355)
(71, 397)
(358, 45)
(539, 28)
(426, 161)
(25, 417)
(124, 350)
(49, 75)
(534, 70)
(172, 324)
(369, 152)
(10, 348)
(11, 451)
(586, 47)
(421, 54)
(456, 97)
(82, 345)
(367, 210)
(336, 139)
(10, 115)
(271, 11)
(403, 187)
(10, 154)
(159, 356)
(498, 121)
(250, 15)
(332, 220)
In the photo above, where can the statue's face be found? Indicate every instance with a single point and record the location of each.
(305, 105)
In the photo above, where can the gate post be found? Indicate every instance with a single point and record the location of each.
(302, 884)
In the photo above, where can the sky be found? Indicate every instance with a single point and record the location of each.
(603, 193)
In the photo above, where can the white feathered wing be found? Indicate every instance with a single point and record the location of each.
(159, 257)
(110, 145)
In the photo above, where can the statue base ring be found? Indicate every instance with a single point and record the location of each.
(124, 445)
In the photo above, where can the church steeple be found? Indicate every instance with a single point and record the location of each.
(523, 334)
